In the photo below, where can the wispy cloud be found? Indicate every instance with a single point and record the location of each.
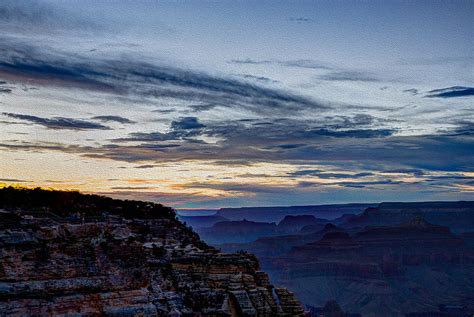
(301, 20)
(58, 122)
(110, 118)
(350, 184)
(349, 76)
(298, 63)
(14, 180)
(451, 92)
(132, 76)
(326, 175)
(202, 107)
(412, 91)
(258, 78)
(283, 134)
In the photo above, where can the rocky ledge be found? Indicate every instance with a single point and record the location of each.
(118, 265)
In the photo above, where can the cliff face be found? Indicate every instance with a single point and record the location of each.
(123, 266)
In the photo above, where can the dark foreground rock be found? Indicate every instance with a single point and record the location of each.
(115, 264)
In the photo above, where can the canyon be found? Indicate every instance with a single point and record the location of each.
(399, 258)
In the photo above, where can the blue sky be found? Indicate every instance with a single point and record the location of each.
(220, 103)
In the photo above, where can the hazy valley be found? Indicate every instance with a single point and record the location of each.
(397, 257)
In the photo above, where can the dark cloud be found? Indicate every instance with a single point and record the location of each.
(113, 119)
(416, 172)
(258, 78)
(392, 153)
(14, 180)
(132, 76)
(185, 128)
(359, 133)
(151, 136)
(287, 146)
(250, 61)
(262, 138)
(187, 123)
(461, 128)
(164, 110)
(305, 63)
(351, 122)
(353, 184)
(464, 128)
(235, 187)
(268, 132)
(202, 107)
(58, 122)
(349, 76)
(146, 166)
(326, 175)
(451, 92)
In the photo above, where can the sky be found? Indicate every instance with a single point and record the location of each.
(207, 104)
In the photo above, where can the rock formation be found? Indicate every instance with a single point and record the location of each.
(121, 264)
(411, 267)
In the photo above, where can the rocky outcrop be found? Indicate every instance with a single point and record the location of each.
(237, 231)
(126, 267)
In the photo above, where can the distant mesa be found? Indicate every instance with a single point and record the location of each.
(237, 231)
(277, 214)
(458, 216)
(197, 222)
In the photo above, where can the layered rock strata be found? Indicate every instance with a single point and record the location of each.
(124, 267)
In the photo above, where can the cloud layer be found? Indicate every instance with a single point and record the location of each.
(58, 122)
(315, 115)
(451, 92)
(22, 62)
